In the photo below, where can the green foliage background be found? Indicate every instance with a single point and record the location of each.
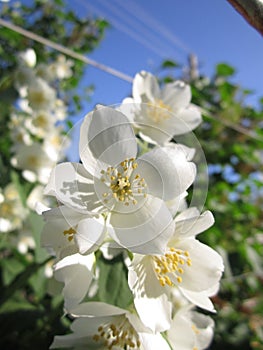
(232, 140)
(231, 137)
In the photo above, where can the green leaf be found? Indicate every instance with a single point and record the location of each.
(224, 70)
(36, 223)
(113, 285)
(11, 268)
(170, 64)
(19, 282)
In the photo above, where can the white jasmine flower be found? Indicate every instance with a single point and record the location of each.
(192, 267)
(61, 68)
(44, 72)
(36, 195)
(40, 95)
(41, 123)
(60, 110)
(20, 137)
(190, 330)
(56, 143)
(67, 231)
(24, 241)
(12, 211)
(28, 57)
(161, 113)
(18, 133)
(105, 327)
(76, 272)
(131, 192)
(34, 162)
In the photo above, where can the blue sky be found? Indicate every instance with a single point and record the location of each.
(145, 32)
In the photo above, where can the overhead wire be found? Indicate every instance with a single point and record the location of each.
(66, 51)
(108, 70)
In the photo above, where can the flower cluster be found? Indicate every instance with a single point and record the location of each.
(37, 135)
(129, 195)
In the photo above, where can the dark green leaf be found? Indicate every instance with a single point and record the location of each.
(113, 285)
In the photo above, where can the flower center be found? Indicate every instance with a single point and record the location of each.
(158, 111)
(37, 97)
(171, 263)
(70, 232)
(41, 121)
(6, 209)
(120, 334)
(33, 162)
(124, 185)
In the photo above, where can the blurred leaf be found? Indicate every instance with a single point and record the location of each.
(113, 286)
(11, 268)
(19, 282)
(224, 70)
(170, 64)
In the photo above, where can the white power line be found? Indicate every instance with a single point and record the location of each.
(66, 51)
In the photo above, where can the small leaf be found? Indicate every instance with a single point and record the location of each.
(224, 70)
(170, 64)
(113, 285)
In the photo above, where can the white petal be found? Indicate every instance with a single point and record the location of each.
(145, 84)
(149, 295)
(200, 299)
(177, 95)
(90, 234)
(181, 335)
(142, 278)
(205, 325)
(188, 152)
(187, 214)
(206, 269)
(155, 134)
(160, 307)
(75, 272)
(106, 135)
(97, 309)
(69, 341)
(52, 234)
(153, 342)
(85, 327)
(128, 108)
(177, 204)
(193, 226)
(73, 186)
(186, 121)
(166, 171)
(144, 231)
(71, 216)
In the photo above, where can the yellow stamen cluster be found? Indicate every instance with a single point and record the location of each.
(124, 185)
(6, 209)
(33, 161)
(40, 121)
(70, 232)
(171, 263)
(121, 335)
(158, 111)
